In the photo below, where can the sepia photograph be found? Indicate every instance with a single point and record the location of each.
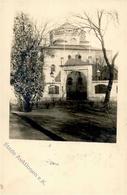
(64, 77)
(63, 105)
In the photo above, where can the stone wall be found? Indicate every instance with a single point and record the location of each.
(97, 95)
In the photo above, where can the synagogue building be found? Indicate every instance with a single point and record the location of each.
(73, 69)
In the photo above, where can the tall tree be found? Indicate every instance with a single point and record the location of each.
(27, 61)
(99, 25)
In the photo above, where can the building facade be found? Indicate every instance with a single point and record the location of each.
(73, 69)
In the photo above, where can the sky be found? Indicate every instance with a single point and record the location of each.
(57, 12)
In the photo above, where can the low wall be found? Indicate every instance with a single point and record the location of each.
(98, 95)
(94, 95)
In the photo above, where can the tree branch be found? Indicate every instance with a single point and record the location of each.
(99, 15)
(114, 58)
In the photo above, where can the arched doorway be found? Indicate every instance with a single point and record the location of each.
(76, 86)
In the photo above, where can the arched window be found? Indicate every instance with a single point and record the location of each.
(69, 81)
(69, 56)
(101, 88)
(80, 81)
(52, 55)
(79, 56)
(52, 68)
(53, 89)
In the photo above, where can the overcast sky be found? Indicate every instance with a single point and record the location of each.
(59, 11)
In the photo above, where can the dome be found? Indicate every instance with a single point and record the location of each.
(67, 34)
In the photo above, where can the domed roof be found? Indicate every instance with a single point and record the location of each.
(68, 34)
(66, 26)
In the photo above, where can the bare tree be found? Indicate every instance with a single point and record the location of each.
(27, 61)
(99, 25)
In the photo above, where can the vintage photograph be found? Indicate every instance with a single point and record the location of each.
(64, 76)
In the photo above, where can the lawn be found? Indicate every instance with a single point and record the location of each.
(78, 122)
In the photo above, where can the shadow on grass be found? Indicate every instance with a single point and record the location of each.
(35, 125)
(90, 132)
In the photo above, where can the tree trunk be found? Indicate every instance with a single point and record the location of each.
(109, 86)
(27, 106)
(111, 73)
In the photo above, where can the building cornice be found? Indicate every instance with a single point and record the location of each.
(72, 47)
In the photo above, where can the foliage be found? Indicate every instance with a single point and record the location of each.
(27, 60)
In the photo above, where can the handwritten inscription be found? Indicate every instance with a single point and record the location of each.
(50, 162)
(24, 163)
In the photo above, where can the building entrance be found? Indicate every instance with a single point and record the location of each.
(76, 86)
